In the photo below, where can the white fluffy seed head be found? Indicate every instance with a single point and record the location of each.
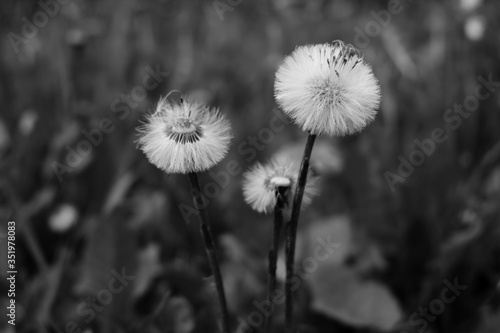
(261, 183)
(184, 137)
(327, 89)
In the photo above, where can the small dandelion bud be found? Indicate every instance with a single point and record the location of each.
(185, 137)
(261, 183)
(327, 89)
(280, 182)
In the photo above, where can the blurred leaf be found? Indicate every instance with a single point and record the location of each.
(118, 191)
(149, 267)
(336, 229)
(326, 157)
(338, 292)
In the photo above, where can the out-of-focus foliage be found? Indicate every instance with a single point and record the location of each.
(111, 212)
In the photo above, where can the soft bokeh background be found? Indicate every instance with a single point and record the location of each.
(110, 210)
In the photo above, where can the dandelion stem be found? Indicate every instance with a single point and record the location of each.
(291, 230)
(273, 252)
(210, 248)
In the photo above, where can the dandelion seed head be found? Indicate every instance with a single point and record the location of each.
(327, 89)
(184, 137)
(261, 184)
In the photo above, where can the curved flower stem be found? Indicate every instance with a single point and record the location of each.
(273, 252)
(291, 230)
(210, 248)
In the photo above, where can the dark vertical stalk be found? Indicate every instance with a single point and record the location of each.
(291, 230)
(273, 252)
(210, 248)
